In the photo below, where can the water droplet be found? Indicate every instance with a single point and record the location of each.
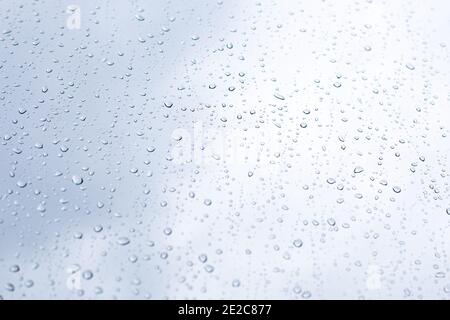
(168, 104)
(78, 235)
(203, 258)
(123, 241)
(397, 189)
(298, 243)
(21, 184)
(14, 268)
(358, 169)
(209, 268)
(139, 17)
(77, 179)
(278, 96)
(87, 274)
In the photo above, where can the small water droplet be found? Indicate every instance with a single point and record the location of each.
(298, 243)
(87, 274)
(123, 241)
(77, 179)
(358, 169)
(397, 189)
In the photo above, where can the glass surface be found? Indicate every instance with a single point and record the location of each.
(225, 149)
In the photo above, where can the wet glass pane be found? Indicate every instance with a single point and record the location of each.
(224, 149)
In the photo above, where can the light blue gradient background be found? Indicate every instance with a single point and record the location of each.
(384, 245)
